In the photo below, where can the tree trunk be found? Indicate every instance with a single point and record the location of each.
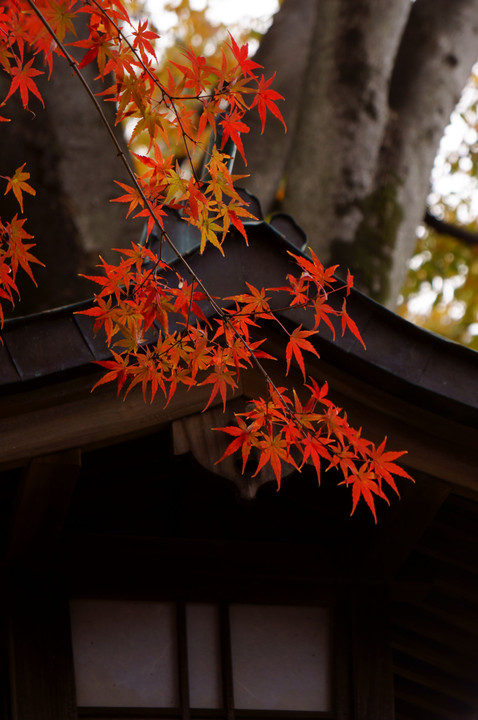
(367, 99)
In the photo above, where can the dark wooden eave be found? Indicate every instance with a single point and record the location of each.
(419, 389)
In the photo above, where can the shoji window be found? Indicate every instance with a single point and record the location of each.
(141, 659)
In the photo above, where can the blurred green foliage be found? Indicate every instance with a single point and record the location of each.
(441, 290)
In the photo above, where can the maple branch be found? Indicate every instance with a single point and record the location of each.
(445, 228)
(119, 150)
(155, 80)
(273, 390)
(279, 425)
(147, 203)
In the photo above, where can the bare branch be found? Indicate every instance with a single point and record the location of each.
(445, 228)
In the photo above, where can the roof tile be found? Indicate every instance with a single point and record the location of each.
(46, 343)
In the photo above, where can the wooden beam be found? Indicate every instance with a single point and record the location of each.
(371, 653)
(40, 658)
(43, 497)
(66, 415)
(194, 434)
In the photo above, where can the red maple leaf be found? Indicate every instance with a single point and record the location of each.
(384, 466)
(22, 80)
(265, 100)
(232, 128)
(142, 40)
(242, 440)
(364, 485)
(118, 370)
(241, 55)
(314, 449)
(347, 322)
(296, 344)
(221, 377)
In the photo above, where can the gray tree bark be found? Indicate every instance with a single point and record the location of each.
(369, 86)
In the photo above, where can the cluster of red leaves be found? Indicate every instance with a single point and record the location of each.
(157, 330)
(135, 302)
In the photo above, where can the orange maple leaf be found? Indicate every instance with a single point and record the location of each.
(18, 184)
(17, 249)
(273, 449)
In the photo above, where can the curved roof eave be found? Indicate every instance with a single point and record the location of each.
(400, 357)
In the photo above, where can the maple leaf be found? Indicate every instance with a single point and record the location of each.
(230, 214)
(241, 55)
(322, 277)
(186, 300)
(322, 311)
(209, 229)
(273, 449)
(319, 393)
(221, 377)
(98, 47)
(8, 284)
(336, 424)
(118, 371)
(59, 17)
(264, 99)
(146, 373)
(232, 127)
(18, 184)
(364, 485)
(314, 448)
(298, 288)
(18, 250)
(296, 344)
(102, 311)
(304, 414)
(242, 440)
(138, 255)
(347, 322)
(157, 306)
(133, 196)
(22, 80)
(384, 466)
(257, 303)
(198, 72)
(344, 458)
(142, 40)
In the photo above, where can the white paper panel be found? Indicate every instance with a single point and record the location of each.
(204, 656)
(125, 653)
(280, 657)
